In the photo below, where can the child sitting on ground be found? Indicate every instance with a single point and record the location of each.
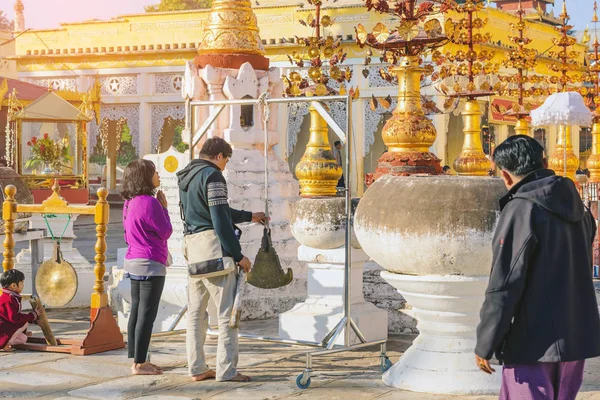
(13, 322)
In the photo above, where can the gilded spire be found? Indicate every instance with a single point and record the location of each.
(19, 17)
(231, 29)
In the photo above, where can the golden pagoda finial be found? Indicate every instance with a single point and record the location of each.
(595, 17)
(231, 29)
(563, 13)
(19, 16)
(585, 39)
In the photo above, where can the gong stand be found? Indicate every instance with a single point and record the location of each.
(104, 333)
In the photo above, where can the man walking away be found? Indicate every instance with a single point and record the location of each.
(540, 316)
(212, 250)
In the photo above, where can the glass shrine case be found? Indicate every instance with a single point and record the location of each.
(50, 141)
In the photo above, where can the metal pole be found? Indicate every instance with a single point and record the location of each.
(269, 101)
(348, 261)
(565, 149)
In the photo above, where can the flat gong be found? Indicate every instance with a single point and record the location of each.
(56, 282)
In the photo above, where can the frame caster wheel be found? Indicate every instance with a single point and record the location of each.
(302, 382)
(386, 364)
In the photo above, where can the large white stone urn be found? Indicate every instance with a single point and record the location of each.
(433, 236)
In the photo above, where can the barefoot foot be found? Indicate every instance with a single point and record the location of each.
(210, 374)
(144, 369)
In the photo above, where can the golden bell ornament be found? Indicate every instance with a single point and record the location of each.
(408, 130)
(472, 160)
(318, 171)
(593, 161)
(564, 152)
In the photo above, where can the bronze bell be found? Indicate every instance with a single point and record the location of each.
(56, 280)
(267, 272)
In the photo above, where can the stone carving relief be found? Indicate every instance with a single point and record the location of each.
(159, 113)
(375, 79)
(170, 25)
(168, 84)
(297, 112)
(119, 85)
(114, 112)
(57, 83)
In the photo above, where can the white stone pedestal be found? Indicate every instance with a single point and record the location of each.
(441, 359)
(324, 307)
(173, 298)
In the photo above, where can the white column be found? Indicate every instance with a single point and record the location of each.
(439, 147)
(145, 128)
(441, 358)
(324, 305)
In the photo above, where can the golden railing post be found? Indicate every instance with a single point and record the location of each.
(8, 215)
(101, 216)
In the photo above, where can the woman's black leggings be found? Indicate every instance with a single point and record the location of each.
(145, 297)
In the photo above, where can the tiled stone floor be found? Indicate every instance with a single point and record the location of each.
(344, 376)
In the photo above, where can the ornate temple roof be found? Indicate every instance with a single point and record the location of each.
(25, 91)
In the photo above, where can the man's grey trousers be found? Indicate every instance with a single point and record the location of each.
(221, 289)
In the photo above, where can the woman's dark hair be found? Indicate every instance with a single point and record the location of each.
(11, 276)
(519, 155)
(137, 179)
(446, 168)
(215, 146)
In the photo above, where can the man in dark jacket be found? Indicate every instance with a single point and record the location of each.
(540, 316)
(205, 207)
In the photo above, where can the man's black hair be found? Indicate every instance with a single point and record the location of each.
(446, 168)
(519, 155)
(11, 276)
(215, 146)
(336, 143)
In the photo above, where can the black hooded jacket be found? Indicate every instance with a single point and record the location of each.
(203, 196)
(540, 304)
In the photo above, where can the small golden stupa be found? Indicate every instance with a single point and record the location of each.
(231, 37)
(593, 102)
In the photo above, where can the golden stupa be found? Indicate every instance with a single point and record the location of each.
(231, 37)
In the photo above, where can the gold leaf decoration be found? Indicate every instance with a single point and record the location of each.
(408, 30)
(433, 28)
(361, 33)
(320, 90)
(373, 103)
(381, 33)
(384, 103)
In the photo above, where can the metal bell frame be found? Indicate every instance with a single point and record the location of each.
(347, 324)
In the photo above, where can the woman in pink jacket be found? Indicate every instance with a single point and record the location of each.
(147, 227)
